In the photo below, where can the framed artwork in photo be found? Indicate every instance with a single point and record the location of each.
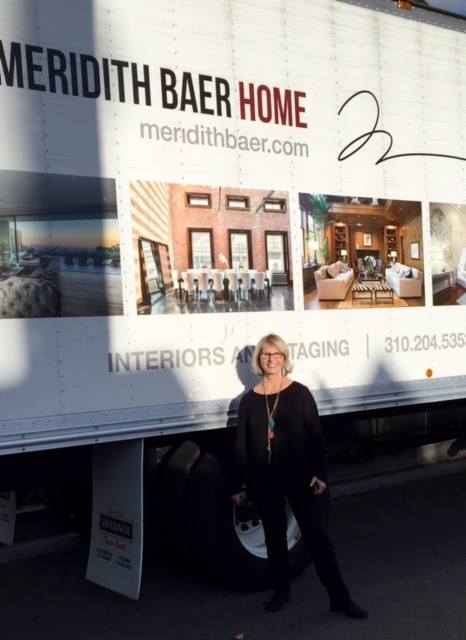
(414, 250)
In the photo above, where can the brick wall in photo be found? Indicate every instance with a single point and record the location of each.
(220, 219)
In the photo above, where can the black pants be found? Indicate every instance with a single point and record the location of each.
(311, 515)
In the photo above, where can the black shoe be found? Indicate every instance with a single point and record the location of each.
(277, 601)
(350, 609)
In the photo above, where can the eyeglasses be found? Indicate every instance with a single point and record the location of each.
(275, 355)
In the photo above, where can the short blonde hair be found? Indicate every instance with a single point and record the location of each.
(279, 344)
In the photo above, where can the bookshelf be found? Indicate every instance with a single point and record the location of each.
(340, 242)
(391, 244)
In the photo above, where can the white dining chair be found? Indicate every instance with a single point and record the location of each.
(268, 277)
(232, 283)
(176, 284)
(217, 282)
(244, 284)
(259, 282)
(203, 283)
(189, 282)
(252, 280)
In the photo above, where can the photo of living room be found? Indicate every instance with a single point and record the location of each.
(448, 253)
(204, 249)
(361, 252)
(59, 246)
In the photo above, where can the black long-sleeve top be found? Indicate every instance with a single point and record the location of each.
(298, 451)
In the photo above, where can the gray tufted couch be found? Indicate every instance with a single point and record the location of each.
(35, 295)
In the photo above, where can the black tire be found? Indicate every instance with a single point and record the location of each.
(213, 542)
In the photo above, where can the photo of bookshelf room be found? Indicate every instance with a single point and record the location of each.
(361, 252)
(59, 246)
(448, 257)
(204, 249)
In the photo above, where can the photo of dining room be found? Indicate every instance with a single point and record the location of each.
(448, 253)
(59, 246)
(361, 252)
(204, 249)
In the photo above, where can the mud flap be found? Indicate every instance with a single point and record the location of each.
(115, 552)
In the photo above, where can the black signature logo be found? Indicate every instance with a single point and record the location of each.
(358, 143)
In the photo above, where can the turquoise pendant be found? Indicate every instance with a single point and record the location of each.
(271, 424)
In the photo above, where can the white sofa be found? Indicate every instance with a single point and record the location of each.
(405, 281)
(333, 281)
(461, 269)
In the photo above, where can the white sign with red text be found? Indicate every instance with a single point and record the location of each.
(115, 552)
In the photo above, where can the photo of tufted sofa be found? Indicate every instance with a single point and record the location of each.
(405, 281)
(333, 281)
(32, 292)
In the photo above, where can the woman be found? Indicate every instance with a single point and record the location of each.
(280, 454)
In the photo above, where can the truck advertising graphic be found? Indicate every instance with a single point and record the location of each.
(179, 179)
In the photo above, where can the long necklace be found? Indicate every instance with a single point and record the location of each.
(271, 424)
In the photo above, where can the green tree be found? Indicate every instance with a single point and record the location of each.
(320, 212)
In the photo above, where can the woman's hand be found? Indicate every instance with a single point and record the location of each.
(239, 498)
(318, 486)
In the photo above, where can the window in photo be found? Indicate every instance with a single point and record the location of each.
(275, 205)
(201, 249)
(240, 249)
(276, 257)
(198, 200)
(238, 202)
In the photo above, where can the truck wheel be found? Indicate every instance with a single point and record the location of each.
(165, 499)
(228, 541)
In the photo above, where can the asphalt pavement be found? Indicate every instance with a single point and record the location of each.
(402, 550)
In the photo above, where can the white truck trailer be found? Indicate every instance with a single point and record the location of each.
(178, 179)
